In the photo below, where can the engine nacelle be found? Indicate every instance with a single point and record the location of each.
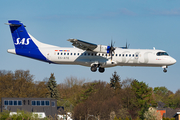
(102, 49)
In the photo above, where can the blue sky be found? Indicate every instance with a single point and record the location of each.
(142, 23)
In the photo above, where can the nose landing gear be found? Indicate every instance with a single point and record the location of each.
(165, 70)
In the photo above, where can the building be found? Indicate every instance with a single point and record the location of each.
(177, 116)
(46, 105)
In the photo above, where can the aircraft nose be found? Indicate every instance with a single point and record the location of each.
(173, 61)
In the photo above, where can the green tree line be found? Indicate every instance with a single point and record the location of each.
(121, 99)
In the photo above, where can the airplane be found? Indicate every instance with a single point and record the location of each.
(85, 53)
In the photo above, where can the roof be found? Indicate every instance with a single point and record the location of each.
(176, 114)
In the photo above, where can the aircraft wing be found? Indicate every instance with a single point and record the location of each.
(82, 44)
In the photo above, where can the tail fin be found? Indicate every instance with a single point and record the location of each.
(25, 44)
(20, 36)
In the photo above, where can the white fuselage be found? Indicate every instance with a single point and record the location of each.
(121, 57)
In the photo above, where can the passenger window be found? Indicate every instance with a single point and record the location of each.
(119, 54)
(57, 53)
(129, 55)
(71, 53)
(84, 54)
(64, 53)
(99, 54)
(102, 54)
(136, 55)
(78, 54)
(67, 53)
(126, 55)
(133, 55)
(123, 55)
(61, 53)
(74, 53)
(112, 54)
(88, 54)
(92, 54)
(116, 54)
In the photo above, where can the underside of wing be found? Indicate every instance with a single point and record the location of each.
(82, 44)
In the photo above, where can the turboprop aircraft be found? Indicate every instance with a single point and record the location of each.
(85, 53)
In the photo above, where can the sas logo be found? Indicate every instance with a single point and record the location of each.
(24, 41)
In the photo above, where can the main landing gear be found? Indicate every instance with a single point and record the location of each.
(95, 66)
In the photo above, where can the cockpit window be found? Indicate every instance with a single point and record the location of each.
(161, 53)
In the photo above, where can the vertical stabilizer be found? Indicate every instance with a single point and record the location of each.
(24, 43)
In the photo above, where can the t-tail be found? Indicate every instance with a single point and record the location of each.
(25, 44)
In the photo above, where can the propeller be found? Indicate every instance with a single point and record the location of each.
(111, 49)
(126, 47)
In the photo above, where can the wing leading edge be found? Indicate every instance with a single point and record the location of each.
(82, 44)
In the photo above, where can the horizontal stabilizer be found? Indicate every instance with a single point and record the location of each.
(10, 24)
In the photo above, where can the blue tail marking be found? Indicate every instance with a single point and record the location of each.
(23, 43)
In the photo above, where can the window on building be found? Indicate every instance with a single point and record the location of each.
(53, 103)
(19, 102)
(38, 103)
(33, 102)
(6, 102)
(42, 103)
(15, 102)
(10, 102)
(46, 103)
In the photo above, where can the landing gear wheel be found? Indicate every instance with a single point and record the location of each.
(164, 70)
(93, 68)
(101, 70)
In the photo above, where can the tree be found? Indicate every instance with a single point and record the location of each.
(52, 87)
(160, 93)
(21, 84)
(152, 114)
(115, 81)
(143, 97)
